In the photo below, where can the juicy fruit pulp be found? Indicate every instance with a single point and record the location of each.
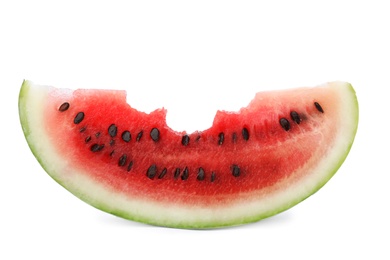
(250, 164)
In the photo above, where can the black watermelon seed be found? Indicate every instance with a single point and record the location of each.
(78, 118)
(112, 153)
(64, 107)
(177, 173)
(112, 142)
(185, 174)
(139, 135)
(197, 138)
(87, 139)
(97, 134)
(295, 117)
(201, 174)
(185, 140)
(151, 171)
(130, 166)
(319, 107)
(234, 137)
(221, 138)
(126, 136)
(162, 174)
(155, 134)
(284, 123)
(122, 160)
(83, 129)
(235, 170)
(245, 134)
(97, 147)
(112, 130)
(212, 178)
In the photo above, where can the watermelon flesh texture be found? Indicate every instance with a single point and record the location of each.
(249, 165)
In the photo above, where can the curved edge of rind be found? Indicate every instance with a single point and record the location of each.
(22, 105)
(24, 120)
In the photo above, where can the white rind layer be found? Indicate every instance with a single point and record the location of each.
(31, 108)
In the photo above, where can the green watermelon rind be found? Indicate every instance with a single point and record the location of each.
(330, 167)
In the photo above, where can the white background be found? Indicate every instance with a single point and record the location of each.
(194, 57)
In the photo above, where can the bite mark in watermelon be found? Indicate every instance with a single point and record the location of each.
(251, 164)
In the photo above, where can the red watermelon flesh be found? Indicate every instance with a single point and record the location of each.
(250, 164)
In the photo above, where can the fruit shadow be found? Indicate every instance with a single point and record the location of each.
(276, 220)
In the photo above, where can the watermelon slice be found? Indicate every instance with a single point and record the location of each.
(251, 164)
